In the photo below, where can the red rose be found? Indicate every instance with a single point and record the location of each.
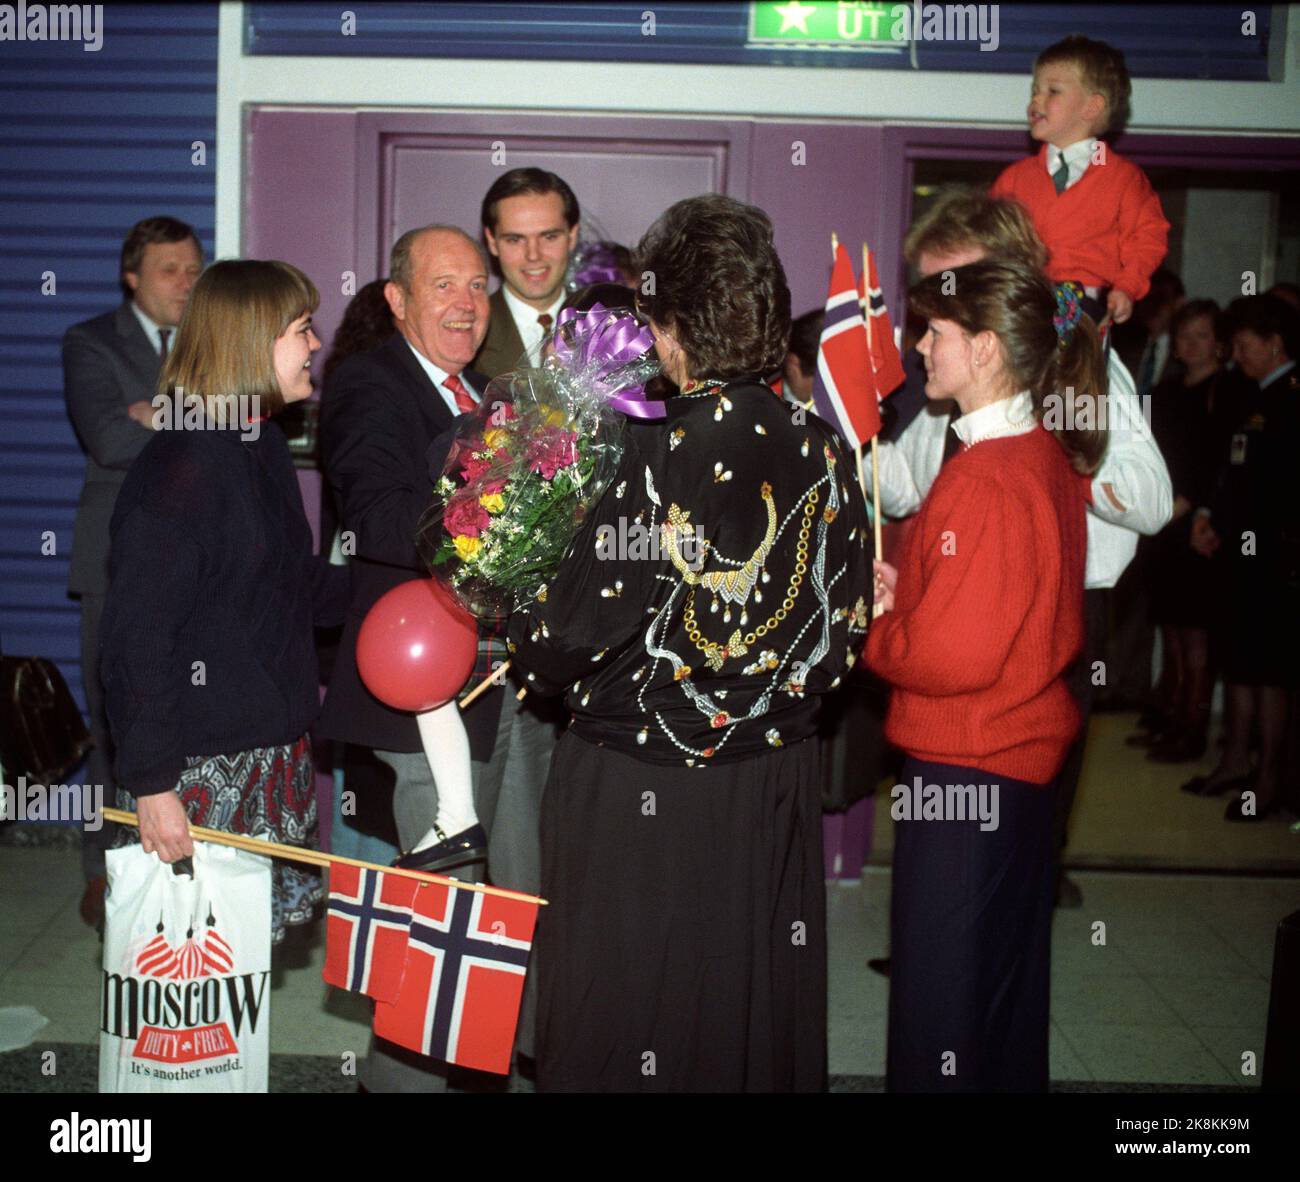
(465, 516)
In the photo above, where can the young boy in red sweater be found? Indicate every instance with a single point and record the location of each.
(1097, 213)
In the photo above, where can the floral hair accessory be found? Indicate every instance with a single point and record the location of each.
(1069, 309)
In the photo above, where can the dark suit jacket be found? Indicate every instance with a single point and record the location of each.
(502, 347)
(380, 414)
(108, 363)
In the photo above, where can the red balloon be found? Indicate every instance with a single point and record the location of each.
(416, 647)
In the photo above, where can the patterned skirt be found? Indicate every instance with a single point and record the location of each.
(266, 792)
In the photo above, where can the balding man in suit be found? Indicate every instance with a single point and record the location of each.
(387, 415)
(110, 375)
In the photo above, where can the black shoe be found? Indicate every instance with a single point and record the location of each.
(1153, 720)
(470, 845)
(1202, 786)
(1183, 745)
(879, 964)
(1147, 738)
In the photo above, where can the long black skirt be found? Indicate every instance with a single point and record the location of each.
(684, 948)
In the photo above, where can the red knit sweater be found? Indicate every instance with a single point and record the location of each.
(988, 612)
(1106, 230)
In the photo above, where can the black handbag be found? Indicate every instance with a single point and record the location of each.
(42, 733)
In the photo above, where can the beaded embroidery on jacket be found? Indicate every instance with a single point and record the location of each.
(737, 581)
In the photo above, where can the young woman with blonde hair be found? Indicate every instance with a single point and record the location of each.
(208, 662)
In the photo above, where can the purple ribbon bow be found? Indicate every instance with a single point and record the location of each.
(603, 343)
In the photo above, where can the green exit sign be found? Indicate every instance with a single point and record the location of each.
(841, 25)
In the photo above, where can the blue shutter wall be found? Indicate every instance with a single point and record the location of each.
(90, 143)
(1187, 40)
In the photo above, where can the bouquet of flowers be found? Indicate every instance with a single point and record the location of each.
(527, 465)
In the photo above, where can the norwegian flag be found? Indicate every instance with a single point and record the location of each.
(886, 364)
(366, 927)
(464, 979)
(844, 387)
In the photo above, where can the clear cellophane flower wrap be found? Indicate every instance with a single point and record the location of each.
(538, 452)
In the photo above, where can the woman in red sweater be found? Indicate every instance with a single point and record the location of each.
(982, 616)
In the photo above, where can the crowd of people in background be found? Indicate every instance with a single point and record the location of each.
(1058, 286)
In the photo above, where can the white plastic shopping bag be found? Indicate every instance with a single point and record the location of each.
(185, 1003)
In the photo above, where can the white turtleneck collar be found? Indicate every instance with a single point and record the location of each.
(1007, 416)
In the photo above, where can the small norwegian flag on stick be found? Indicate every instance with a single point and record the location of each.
(464, 979)
(857, 364)
(366, 929)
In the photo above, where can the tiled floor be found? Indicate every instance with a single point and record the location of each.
(1177, 994)
(1159, 979)
(1128, 813)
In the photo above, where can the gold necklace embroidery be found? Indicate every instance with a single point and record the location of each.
(737, 646)
(733, 586)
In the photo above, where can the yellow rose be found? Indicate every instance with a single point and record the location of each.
(556, 418)
(466, 547)
(495, 437)
(492, 502)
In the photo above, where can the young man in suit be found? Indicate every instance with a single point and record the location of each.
(384, 413)
(110, 374)
(530, 224)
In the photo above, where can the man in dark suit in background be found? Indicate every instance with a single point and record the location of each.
(383, 413)
(530, 224)
(110, 374)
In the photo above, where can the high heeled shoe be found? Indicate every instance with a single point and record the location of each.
(1204, 786)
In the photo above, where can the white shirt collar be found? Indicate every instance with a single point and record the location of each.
(1007, 416)
(153, 331)
(438, 375)
(1078, 156)
(1277, 373)
(525, 318)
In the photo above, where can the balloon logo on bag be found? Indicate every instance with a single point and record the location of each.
(416, 647)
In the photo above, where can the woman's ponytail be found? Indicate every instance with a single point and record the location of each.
(1071, 396)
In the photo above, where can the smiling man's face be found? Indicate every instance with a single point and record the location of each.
(532, 242)
(445, 312)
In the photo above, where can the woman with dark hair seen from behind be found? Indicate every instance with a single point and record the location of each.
(1192, 413)
(685, 945)
(212, 569)
(367, 322)
(1251, 516)
(982, 617)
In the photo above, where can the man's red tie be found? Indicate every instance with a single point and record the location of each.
(546, 320)
(464, 399)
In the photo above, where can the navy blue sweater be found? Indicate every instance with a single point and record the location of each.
(207, 642)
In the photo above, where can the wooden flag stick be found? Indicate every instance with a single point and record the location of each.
(295, 853)
(497, 678)
(875, 452)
